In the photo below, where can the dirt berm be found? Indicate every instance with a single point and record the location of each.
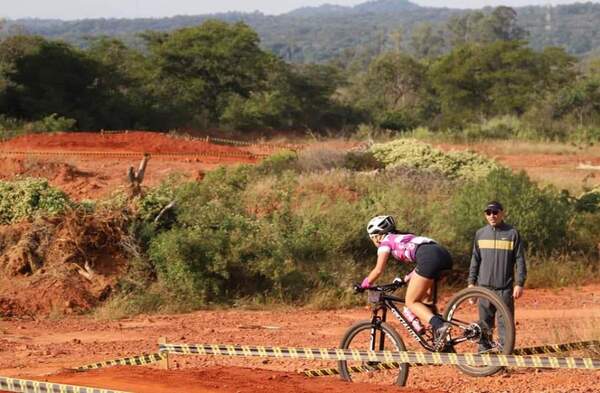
(60, 266)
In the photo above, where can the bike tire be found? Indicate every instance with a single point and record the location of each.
(461, 299)
(352, 334)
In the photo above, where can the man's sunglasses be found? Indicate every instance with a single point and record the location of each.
(492, 212)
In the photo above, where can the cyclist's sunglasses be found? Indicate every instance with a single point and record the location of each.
(490, 212)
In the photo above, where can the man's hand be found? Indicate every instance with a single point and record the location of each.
(517, 291)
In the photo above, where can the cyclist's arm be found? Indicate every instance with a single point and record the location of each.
(382, 258)
(475, 262)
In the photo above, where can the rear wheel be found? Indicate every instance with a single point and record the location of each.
(471, 334)
(366, 336)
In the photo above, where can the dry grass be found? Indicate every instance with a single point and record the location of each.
(560, 271)
(532, 147)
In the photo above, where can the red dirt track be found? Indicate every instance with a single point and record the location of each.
(130, 141)
(43, 349)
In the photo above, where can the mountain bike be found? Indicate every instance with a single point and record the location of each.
(468, 334)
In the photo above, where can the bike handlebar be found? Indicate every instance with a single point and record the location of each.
(397, 283)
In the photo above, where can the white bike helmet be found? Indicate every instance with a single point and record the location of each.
(381, 225)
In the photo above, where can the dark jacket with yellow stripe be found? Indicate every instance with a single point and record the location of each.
(496, 251)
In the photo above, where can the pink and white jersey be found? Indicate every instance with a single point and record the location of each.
(402, 247)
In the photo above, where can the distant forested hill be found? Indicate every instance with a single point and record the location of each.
(320, 34)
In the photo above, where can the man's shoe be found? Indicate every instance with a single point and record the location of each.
(439, 337)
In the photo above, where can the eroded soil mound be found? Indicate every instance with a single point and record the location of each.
(64, 265)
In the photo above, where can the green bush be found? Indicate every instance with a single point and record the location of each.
(10, 127)
(416, 154)
(278, 162)
(586, 135)
(540, 215)
(361, 161)
(29, 197)
(397, 121)
(51, 123)
(589, 201)
(501, 127)
(560, 271)
(157, 198)
(583, 234)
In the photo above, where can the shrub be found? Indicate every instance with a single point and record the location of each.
(319, 159)
(586, 135)
(560, 271)
(397, 121)
(416, 154)
(589, 201)
(278, 162)
(51, 123)
(10, 127)
(361, 161)
(155, 199)
(501, 127)
(540, 215)
(29, 197)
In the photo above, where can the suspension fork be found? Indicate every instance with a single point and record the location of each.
(375, 323)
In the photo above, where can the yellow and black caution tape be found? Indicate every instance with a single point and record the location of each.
(218, 154)
(31, 386)
(322, 372)
(470, 359)
(554, 348)
(248, 143)
(541, 349)
(128, 361)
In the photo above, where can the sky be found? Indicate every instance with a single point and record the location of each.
(81, 9)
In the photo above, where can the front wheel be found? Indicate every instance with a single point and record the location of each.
(473, 333)
(365, 335)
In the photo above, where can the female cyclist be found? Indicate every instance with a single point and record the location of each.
(430, 259)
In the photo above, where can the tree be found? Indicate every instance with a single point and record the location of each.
(393, 89)
(476, 26)
(128, 81)
(476, 81)
(299, 96)
(47, 77)
(395, 79)
(582, 99)
(199, 67)
(427, 42)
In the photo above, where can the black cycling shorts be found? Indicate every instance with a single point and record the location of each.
(431, 259)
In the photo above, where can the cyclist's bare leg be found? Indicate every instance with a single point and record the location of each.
(419, 288)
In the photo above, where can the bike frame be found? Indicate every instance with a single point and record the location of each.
(385, 302)
(389, 302)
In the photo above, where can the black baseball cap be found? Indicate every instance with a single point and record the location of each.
(494, 205)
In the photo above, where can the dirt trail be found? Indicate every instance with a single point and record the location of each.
(41, 348)
(95, 176)
(217, 380)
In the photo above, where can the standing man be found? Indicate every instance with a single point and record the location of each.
(497, 250)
